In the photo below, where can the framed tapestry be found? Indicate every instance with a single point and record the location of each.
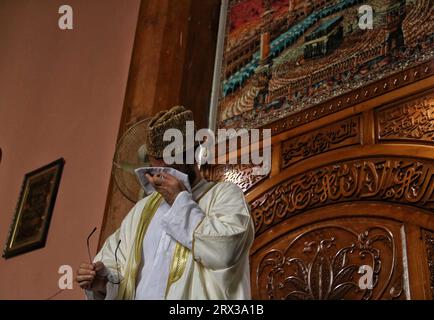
(278, 57)
(31, 221)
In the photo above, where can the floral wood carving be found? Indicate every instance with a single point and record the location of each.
(388, 180)
(324, 263)
(413, 120)
(340, 134)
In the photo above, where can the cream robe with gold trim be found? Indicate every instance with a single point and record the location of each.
(217, 267)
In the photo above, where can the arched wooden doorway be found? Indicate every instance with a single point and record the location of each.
(322, 254)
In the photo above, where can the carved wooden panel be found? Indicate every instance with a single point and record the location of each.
(309, 244)
(396, 180)
(429, 243)
(324, 261)
(334, 136)
(411, 120)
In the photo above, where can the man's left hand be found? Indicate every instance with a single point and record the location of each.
(167, 185)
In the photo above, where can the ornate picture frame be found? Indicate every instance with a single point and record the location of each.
(30, 224)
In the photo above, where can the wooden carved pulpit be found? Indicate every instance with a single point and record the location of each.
(347, 211)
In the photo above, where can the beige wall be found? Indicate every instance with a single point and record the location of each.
(61, 95)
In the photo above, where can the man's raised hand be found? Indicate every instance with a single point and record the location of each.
(167, 185)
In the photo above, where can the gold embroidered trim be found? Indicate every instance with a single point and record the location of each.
(177, 268)
(127, 288)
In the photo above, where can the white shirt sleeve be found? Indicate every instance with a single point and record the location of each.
(182, 219)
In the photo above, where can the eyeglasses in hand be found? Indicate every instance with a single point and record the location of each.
(116, 257)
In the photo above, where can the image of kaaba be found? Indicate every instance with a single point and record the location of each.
(283, 56)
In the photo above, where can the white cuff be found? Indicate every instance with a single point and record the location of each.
(182, 219)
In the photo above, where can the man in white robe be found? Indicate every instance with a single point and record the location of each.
(176, 244)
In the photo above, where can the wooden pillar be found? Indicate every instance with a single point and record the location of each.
(172, 63)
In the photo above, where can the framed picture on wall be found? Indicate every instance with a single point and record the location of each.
(276, 58)
(31, 221)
